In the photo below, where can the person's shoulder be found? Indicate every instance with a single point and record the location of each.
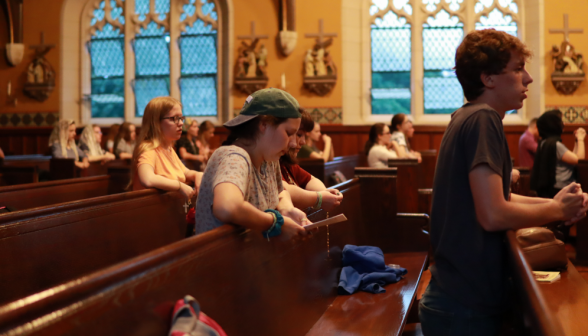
(230, 151)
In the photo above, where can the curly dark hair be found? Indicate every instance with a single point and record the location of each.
(484, 51)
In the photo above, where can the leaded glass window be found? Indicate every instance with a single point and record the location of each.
(106, 48)
(397, 84)
(198, 45)
(442, 34)
(499, 18)
(151, 48)
(391, 58)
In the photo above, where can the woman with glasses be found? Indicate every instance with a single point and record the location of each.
(90, 141)
(155, 163)
(380, 147)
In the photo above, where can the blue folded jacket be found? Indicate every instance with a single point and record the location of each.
(364, 269)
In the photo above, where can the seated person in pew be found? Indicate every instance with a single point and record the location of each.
(242, 183)
(309, 150)
(306, 190)
(554, 162)
(90, 141)
(187, 147)
(155, 163)
(124, 143)
(112, 133)
(205, 134)
(63, 144)
(380, 146)
(528, 144)
(472, 207)
(402, 130)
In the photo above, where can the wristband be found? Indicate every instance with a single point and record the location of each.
(276, 228)
(319, 201)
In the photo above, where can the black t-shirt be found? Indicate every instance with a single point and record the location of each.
(190, 146)
(470, 262)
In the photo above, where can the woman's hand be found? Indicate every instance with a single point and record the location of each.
(331, 199)
(292, 230)
(297, 215)
(326, 138)
(186, 191)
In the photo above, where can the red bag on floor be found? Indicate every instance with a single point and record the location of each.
(188, 320)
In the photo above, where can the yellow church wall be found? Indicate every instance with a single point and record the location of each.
(38, 16)
(46, 18)
(308, 13)
(554, 18)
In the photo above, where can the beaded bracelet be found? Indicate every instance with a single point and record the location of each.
(276, 228)
(319, 201)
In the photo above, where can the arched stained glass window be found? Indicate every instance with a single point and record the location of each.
(391, 57)
(151, 46)
(198, 46)
(497, 14)
(106, 48)
(442, 34)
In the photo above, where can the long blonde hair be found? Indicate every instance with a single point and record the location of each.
(151, 136)
(89, 139)
(60, 134)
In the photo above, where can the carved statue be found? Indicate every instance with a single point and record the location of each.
(262, 60)
(329, 64)
(321, 69)
(308, 64)
(241, 60)
(252, 64)
(566, 60)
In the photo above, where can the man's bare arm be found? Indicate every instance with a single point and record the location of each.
(497, 214)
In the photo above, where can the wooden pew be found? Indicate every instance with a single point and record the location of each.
(322, 171)
(523, 186)
(582, 226)
(428, 165)
(248, 285)
(120, 175)
(20, 169)
(554, 309)
(66, 169)
(46, 246)
(33, 195)
(409, 171)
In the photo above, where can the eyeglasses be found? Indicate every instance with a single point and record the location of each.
(175, 119)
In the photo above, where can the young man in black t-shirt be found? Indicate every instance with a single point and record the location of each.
(472, 205)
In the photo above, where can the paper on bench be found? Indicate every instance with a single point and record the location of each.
(328, 221)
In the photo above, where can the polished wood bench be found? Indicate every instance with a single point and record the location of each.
(550, 309)
(32, 195)
(20, 169)
(47, 246)
(248, 285)
(323, 171)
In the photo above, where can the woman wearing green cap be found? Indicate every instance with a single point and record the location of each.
(242, 181)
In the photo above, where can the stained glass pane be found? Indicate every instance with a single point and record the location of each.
(198, 54)
(151, 65)
(198, 46)
(391, 64)
(106, 49)
(498, 21)
(442, 35)
(199, 95)
(148, 88)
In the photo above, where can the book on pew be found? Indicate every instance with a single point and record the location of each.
(546, 276)
(328, 221)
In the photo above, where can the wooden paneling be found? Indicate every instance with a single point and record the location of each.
(347, 139)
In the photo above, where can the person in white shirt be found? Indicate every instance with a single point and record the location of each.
(380, 147)
(402, 129)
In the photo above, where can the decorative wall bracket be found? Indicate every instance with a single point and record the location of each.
(566, 84)
(320, 85)
(250, 85)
